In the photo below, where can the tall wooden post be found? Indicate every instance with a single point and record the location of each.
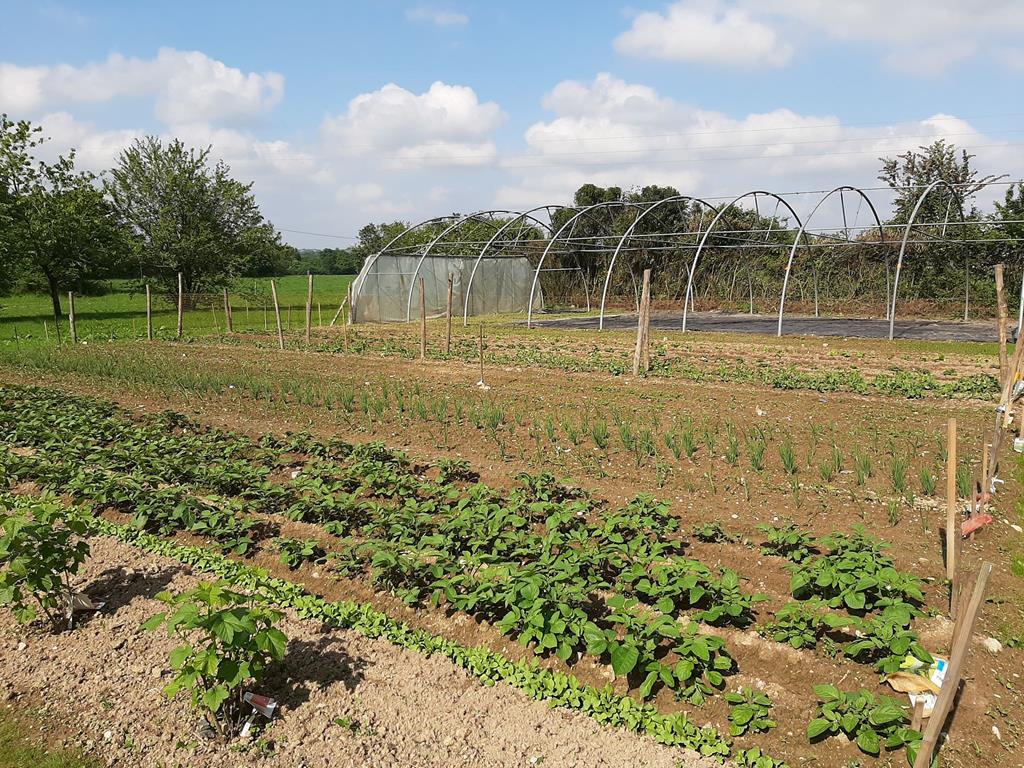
(423, 320)
(351, 306)
(181, 306)
(277, 315)
(72, 325)
(149, 313)
(1004, 320)
(481, 352)
(962, 632)
(309, 305)
(641, 355)
(448, 321)
(952, 527)
(228, 320)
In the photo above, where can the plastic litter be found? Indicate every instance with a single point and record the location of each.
(934, 674)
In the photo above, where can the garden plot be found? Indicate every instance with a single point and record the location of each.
(671, 614)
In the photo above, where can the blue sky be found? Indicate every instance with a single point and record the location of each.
(347, 112)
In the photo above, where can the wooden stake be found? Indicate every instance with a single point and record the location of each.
(952, 532)
(181, 306)
(423, 320)
(481, 352)
(961, 643)
(351, 306)
(73, 326)
(319, 315)
(277, 315)
(46, 331)
(1014, 367)
(1020, 421)
(985, 449)
(228, 319)
(149, 312)
(341, 308)
(641, 356)
(1004, 319)
(309, 305)
(918, 718)
(448, 321)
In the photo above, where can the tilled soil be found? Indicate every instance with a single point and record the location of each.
(345, 700)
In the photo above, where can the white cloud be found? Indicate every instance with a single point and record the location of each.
(1012, 58)
(704, 31)
(439, 17)
(608, 131)
(446, 125)
(187, 86)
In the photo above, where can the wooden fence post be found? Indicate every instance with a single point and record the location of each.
(641, 356)
(309, 305)
(952, 528)
(962, 632)
(72, 325)
(277, 315)
(423, 320)
(181, 306)
(228, 320)
(448, 321)
(1004, 319)
(149, 313)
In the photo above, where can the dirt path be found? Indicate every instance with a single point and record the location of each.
(101, 687)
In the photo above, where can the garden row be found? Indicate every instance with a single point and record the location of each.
(547, 564)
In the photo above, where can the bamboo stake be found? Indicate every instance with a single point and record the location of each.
(46, 332)
(481, 353)
(309, 306)
(149, 313)
(423, 320)
(641, 360)
(319, 315)
(277, 315)
(1004, 319)
(72, 324)
(181, 306)
(961, 642)
(228, 319)
(951, 521)
(448, 321)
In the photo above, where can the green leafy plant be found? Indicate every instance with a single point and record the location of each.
(787, 541)
(749, 712)
(229, 641)
(787, 455)
(42, 546)
(886, 640)
(295, 552)
(869, 722)
(712, 533)
(755, 758)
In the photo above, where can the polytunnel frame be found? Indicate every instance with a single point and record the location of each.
(360, 281)
(906, 236)
(459, 221)
(629, 232)
(803, 232)
(700, 248)
(483, 251)
(554, 239)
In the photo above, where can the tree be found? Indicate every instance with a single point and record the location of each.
(189, 216)
(54, 221)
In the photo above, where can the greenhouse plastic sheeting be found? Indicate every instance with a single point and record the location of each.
(501, 285)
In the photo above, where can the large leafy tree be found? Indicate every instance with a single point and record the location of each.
(189, 216)
(55, 222)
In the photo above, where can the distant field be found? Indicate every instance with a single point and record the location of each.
(121, 314)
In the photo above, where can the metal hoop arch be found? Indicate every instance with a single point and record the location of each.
(711, 226)
(571, 222)
(478, 216)
(802, 232)
(629, 232)
(524, 215)
(906, 236)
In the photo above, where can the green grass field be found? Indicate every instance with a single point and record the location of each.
(121, 313)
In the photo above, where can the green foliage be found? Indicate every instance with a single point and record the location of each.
(749, 712)
(787, 541)
(42, 547)
(886, 640)
(755, 758)
(229, 641)
(712, 533)
(450, 470)
(800, 624)
(788, 455)
(295, 552)
(871, 723)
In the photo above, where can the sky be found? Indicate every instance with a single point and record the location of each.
(343, 113)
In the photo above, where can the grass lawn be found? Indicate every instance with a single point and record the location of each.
(16, 751)
(121, 313)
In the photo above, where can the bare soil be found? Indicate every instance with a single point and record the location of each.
(100, 687)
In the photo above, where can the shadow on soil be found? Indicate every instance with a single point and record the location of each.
(117, 587)
(310, 666)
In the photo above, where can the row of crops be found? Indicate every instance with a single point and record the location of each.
(568, 576)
